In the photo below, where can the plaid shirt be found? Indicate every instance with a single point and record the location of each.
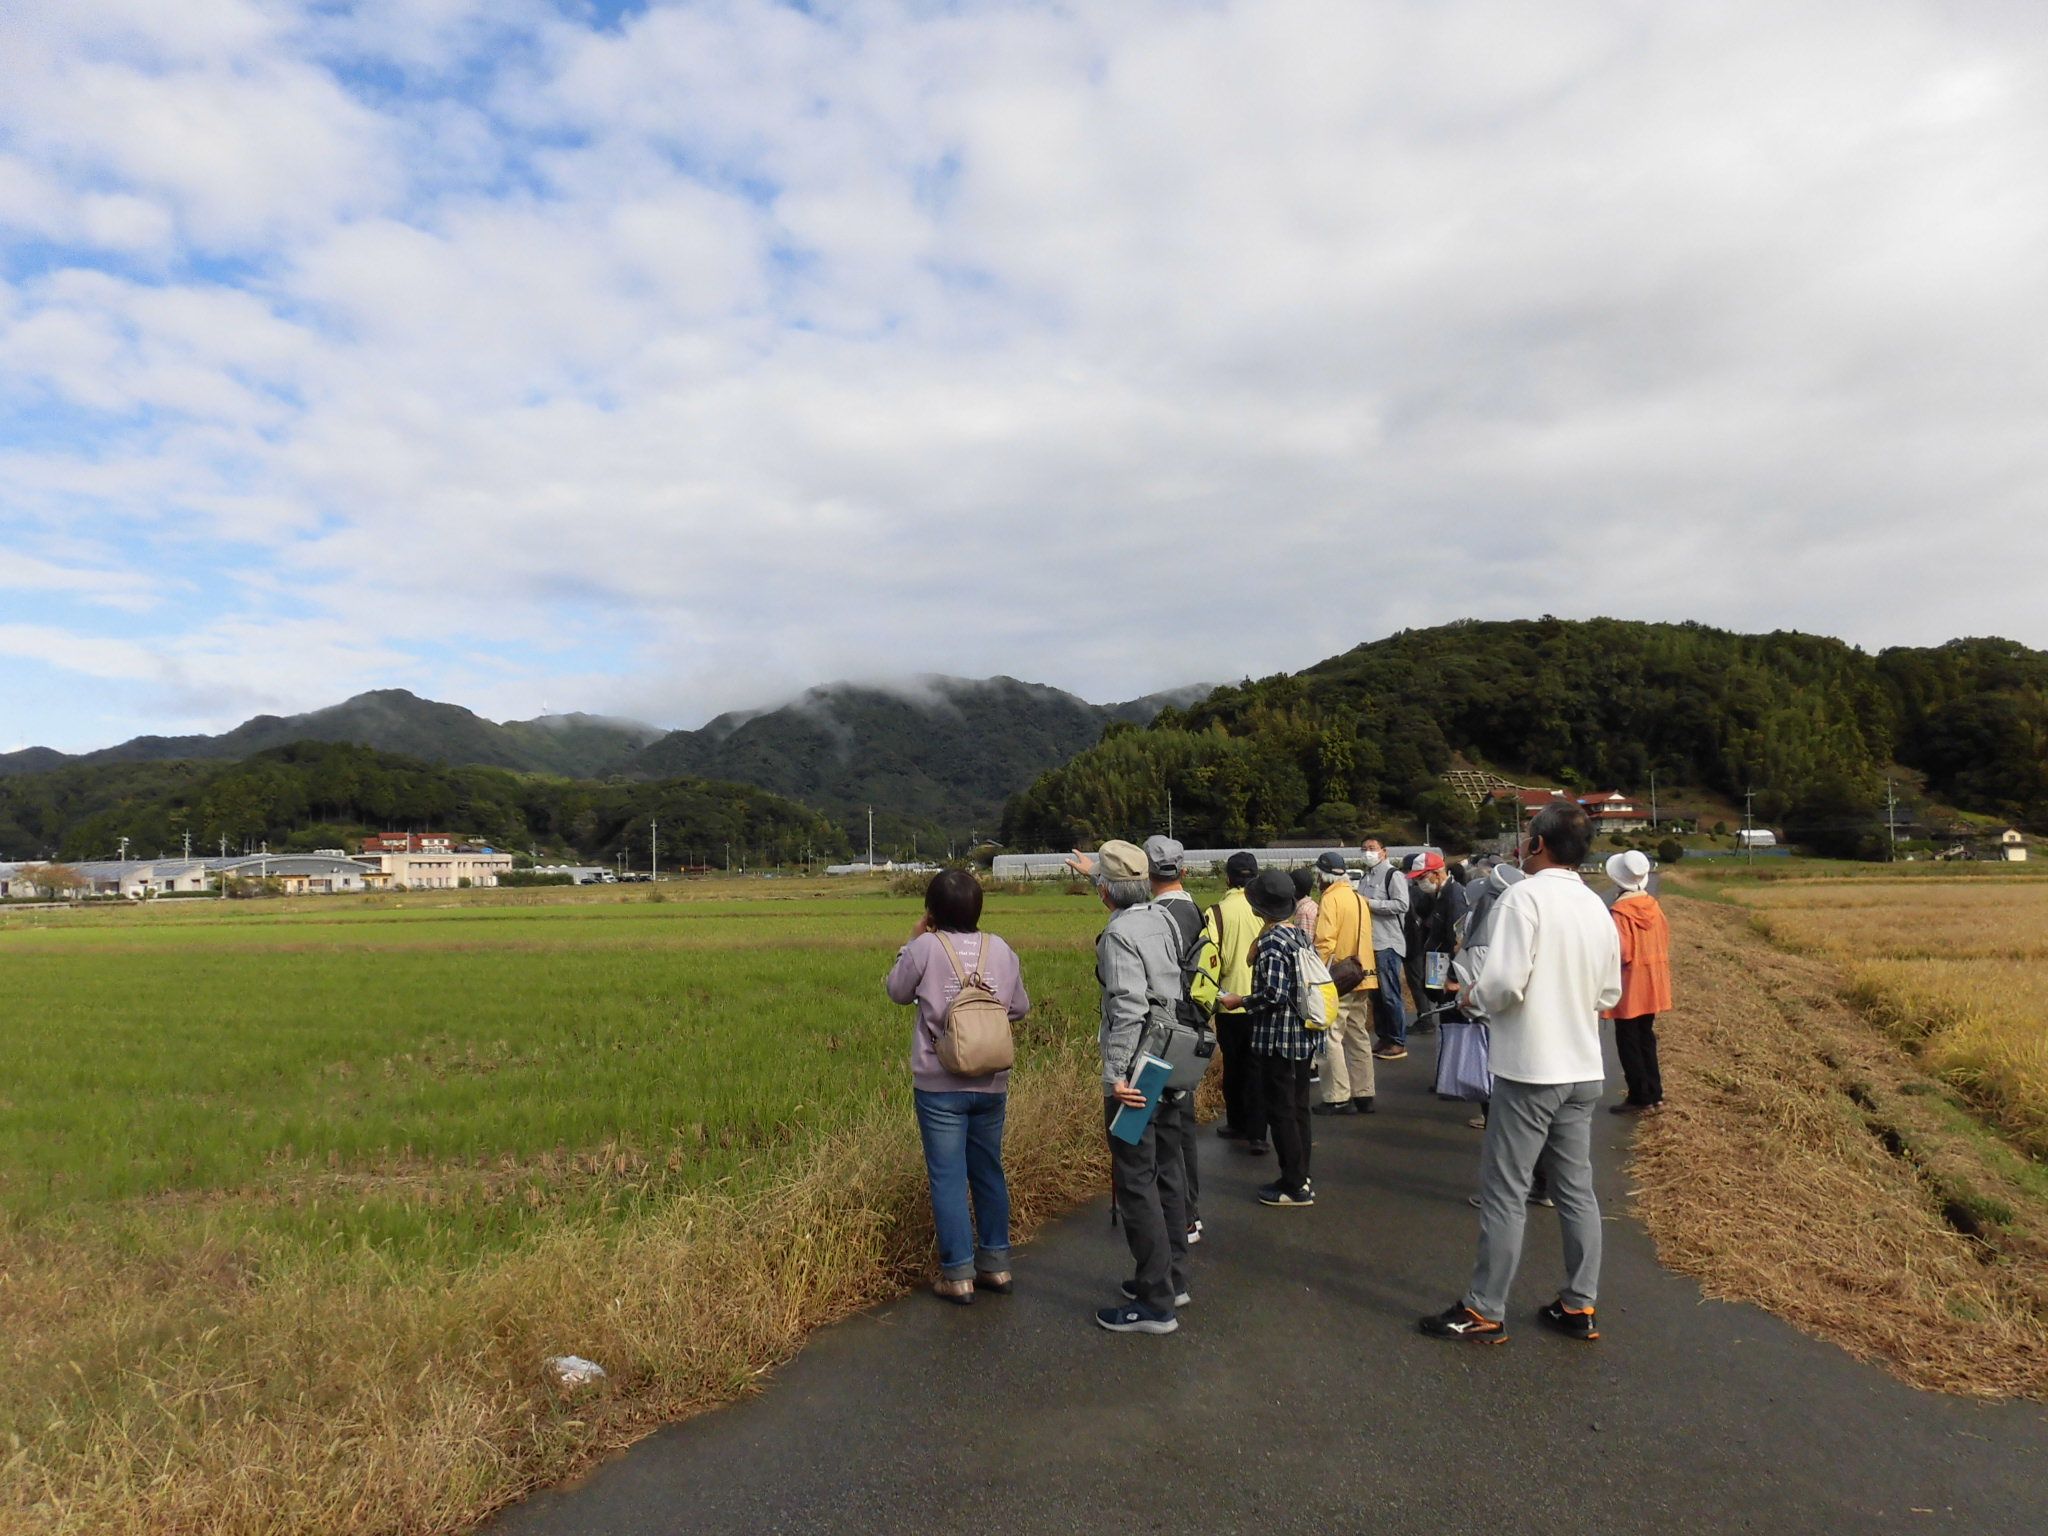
(1276, 1024)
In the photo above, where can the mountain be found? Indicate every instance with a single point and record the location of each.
(935, 759)
(392, 720)
(327, 794)
(1361, 741)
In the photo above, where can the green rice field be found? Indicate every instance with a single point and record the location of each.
(293, 1190)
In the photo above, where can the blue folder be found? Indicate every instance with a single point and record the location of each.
(1149, 1078)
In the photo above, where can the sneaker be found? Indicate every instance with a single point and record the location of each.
(1252, 1148)
(1626, 1107)
(1569, 1321)
(1229, 1133)
(1274, 1194)
(1460, 1322)
(1362, 1104)
(1130, 1290)
(1477, 1122)
(1132, 1318)
(1194, 1233)
(1341, 1107)
(1390, 1053)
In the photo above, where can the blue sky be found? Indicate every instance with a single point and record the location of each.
(661, 359)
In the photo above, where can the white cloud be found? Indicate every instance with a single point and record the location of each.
(740, 346)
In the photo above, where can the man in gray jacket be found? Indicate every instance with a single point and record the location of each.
(1385, 890)
(1137, 964)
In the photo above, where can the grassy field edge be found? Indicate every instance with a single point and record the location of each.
(201, 1407)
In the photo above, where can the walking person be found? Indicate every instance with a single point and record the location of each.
(1645, 938)
(1386, 898)
(959, 1119)
(1344, 932)
(1553, 964)
(1165, 865)
(1281, 1044)
(1137, 964)
(1234, 928)
(1415, 943)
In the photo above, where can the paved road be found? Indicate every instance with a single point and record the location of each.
(1297, 1395)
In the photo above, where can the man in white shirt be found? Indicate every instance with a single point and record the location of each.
(1552, 965)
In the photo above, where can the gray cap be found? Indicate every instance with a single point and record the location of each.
(1165, 859)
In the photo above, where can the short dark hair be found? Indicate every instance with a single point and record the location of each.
(1304, 882)
(954, 901)
(1566, 831)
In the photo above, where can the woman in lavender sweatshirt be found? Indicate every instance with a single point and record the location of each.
(960, 1118)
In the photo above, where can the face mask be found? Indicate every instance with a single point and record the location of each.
(1372, 858)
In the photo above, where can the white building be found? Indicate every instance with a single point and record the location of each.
(2012, 847)
(298, 874)
(444, 870)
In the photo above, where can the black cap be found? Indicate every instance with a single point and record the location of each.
(1271, 894)
(1331, 863)
(1239, 868)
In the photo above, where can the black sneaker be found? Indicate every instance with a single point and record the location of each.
(1130, 1290)
(1569, 1321)
(1345, 1107)
(1626, 1107)
(1275, 1194)
(1460, 1323)
(1252, 1148)
(1362, 1104)
(1132, 1318)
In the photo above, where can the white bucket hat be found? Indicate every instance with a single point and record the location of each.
(1630, 870)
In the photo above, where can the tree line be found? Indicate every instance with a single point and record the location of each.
(1362, 740)
(311, 795)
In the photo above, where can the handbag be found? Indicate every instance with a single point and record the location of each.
(1463, 1060)
(974, 1038)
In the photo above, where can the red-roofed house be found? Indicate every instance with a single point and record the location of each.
(1614, 812)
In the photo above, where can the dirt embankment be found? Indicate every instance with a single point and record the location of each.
(1807, 1164)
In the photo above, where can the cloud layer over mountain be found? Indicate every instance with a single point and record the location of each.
(664, 359)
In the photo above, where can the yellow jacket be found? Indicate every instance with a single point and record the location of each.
(1236, 928)
(1344, 929)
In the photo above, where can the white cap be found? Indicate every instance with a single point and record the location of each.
(1630, 870)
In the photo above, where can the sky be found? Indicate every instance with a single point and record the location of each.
(657, 359)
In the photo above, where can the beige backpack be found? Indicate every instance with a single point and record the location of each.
(974, 1036)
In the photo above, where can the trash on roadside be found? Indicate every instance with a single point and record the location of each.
(574, 1370)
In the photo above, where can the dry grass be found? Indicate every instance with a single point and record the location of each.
(1807, 1165)
(343, 1398)
(1956, 971)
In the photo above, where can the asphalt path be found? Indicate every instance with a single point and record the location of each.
(1298, 1396)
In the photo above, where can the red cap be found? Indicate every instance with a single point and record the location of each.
(1425, 863)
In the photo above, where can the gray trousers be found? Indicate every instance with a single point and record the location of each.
(1527, 1123)
(1151, 1200)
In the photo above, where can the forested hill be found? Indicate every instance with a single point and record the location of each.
(327, 794)
(935, 760)
(391, 720)
(1361, 740)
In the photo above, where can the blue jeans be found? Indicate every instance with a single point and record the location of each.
(1393, 1013)
(963, 1149)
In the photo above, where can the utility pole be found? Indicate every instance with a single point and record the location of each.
(1169, 812)
(871, 839)
(1749, 825)
(1653, 799)
(1891, 816)
(653, 850)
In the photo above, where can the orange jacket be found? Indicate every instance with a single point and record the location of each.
(1645, 958)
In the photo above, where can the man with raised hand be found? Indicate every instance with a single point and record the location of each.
(1385, 890)
(1137, 964)
(1552, 965)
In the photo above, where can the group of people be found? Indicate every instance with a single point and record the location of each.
(1523, 947)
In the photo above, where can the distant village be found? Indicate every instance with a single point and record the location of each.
(388, 861)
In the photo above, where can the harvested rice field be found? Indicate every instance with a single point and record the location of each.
(1856, 1102)
(297, 1197)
